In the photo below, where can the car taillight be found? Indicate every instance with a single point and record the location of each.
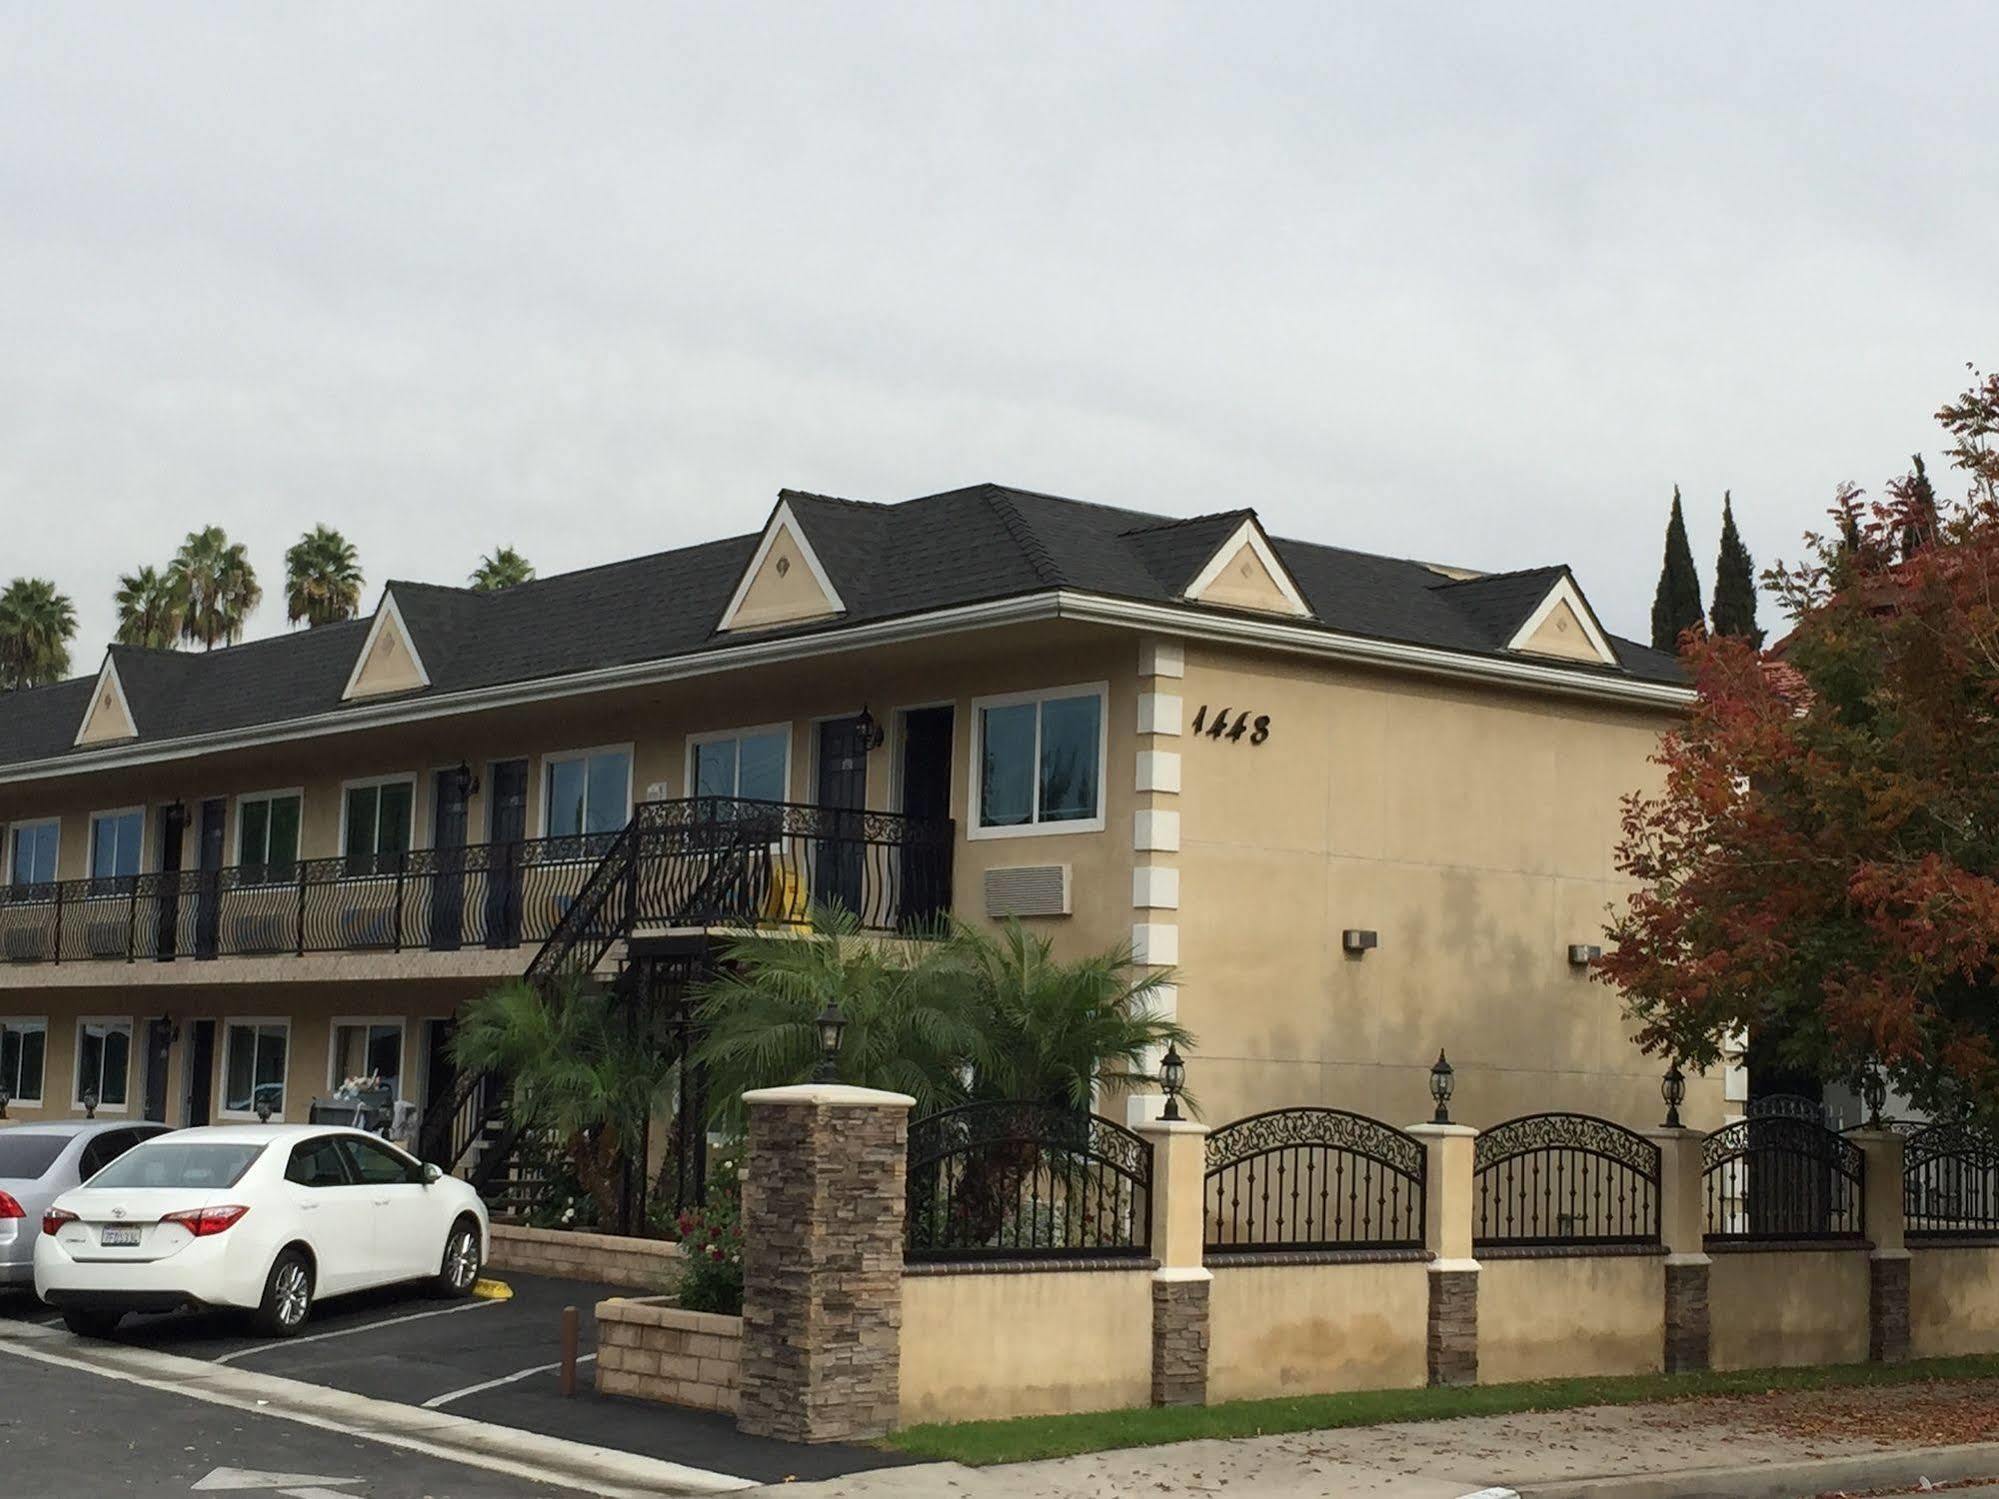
(9, 1208)
(54, 1219)
(201, 1222)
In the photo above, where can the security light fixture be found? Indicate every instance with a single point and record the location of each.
(90, 1103)
(1582, 954)
(1172, 1078)
(1674, 1090)
(871, 734)
(830, 1024)
(1873, 1093)
(1442, 1084)
(1357, 941)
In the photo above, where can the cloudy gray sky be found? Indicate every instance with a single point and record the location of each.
(1473, 283)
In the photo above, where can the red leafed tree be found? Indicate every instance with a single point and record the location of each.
(1821, 866)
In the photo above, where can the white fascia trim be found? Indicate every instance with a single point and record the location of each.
(108, 673)
(388, 610)
(1565, 592)
(781, 519)
(1249, 534)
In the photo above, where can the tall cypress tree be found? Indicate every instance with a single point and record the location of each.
(1734, 582)
(1677, 604)
(1921, 528)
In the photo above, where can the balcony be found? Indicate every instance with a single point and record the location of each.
(697, 863)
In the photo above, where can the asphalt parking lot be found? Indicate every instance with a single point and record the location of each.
(487, 1360)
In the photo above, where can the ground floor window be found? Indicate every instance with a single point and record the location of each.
(253, 1066)
(23, 1045)
(368, 1048)
(103, 1062)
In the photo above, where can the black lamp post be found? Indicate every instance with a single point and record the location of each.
(1172, 1078)
(1442, 1084)
(830, 1024)
(1674, 1091)
(90, 1103)
(1874, 1094)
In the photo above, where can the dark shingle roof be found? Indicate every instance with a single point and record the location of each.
(962, 546)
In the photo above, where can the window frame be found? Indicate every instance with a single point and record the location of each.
(267, 864)
(23, 1024)
(357, 866)
(400, 1022)
(108, 884)
(14, 830)
(785, 728)
(629, 750)
(131, 1025)
(974, 827)
(221, 1094)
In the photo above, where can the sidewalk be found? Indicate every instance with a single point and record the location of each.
(1789, 1443)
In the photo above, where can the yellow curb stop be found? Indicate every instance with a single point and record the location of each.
(492, 1290)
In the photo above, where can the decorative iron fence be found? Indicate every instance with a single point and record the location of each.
(1779, 1176)
(1950, 1182)
(1564, 1179)
(1019, 1181)
(1306, 1178)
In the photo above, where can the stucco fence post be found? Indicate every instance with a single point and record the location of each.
(1451, 1345)
(1181, 1285)
(1683, 1235)
(822, 1263)
(1887, 1231)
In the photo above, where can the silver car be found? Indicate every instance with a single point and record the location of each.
(40, 1162)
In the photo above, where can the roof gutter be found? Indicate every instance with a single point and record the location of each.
(1193, 623)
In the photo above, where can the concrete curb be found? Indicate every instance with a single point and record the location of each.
(1902, 1468)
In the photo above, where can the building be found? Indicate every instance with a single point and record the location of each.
(1365, 807)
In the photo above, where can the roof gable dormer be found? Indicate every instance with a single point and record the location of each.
(784, 583)
(108, 719)
(1245, 572)
(389, 661)
(1564, 626)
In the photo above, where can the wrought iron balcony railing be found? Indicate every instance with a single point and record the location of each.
(705, 861)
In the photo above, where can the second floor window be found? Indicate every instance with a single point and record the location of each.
(32, 857)
(378, 825)
(587, 793)
(267, 835)
(1040, 761)
(750, 765)
(115, 838)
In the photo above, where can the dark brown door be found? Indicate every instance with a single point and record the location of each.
(166, 921)
(923, 892)
(159, 1052)
(447, 843)
(839, 868)
(506, 828)
(200, 1072)
(208, 902)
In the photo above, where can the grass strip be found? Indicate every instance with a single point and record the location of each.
(980, 1443)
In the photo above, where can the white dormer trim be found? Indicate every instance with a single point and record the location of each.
(1566, 592)
(781, 520)
(1249, 534)
(389, 613)
(107, 676)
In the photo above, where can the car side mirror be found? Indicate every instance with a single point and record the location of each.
(432, 1172)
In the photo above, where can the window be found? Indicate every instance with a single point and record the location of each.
(363, 1048)
(377, 1165)
(107, 1147)
(115, 841)
(33, 857)
(25, 1157)
(587, 792)
(376, 827)
(253, 1066)
(754, 764)
(170, 1163)
(103, 1061)
(23, 1045)
(267, 835)
(1039, 762)
(317, 1163)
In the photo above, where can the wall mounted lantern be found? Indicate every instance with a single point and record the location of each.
(1354, 941)
(1674, 1090)
(464, 781)
(1443, 1082)
(1172, 1078)
(871, 734)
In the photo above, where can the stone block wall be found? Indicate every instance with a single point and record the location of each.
(606, 1259)
(653, 1350)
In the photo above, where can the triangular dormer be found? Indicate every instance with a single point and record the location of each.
(1564, 626)
(1246, 573)
(108, 719)
(784, 583)
(389, 661)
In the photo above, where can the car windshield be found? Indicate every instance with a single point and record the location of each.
(24, 1158)
(169, 1164)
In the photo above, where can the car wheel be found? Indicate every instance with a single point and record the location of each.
(287, 1296)
(92, 1324)
(459, 1270)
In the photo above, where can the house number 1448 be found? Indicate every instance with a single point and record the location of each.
(1218, 725)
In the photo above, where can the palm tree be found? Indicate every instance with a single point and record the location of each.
(36, 626)
(503, 567)
(150, 609)
(322, 578)
(214, 575)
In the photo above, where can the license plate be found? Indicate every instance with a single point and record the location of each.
(115, 1236)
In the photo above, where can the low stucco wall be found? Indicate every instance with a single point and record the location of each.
(1792, 1306)
(1544, 1318)
(1025, 1344)
(1315, 1328)
(606, 1259)
(1953, 1300)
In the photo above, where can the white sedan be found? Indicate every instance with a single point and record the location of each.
(266, 1217)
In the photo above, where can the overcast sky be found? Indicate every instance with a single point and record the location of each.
(1477, 284)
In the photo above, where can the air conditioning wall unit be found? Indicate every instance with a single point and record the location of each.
(1028, 890)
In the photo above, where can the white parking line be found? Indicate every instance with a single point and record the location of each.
(493, 1384)
(342, 1332)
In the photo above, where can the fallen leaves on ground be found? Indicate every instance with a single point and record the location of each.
(1937, 1413)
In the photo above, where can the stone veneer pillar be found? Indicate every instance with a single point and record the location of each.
(1887, 1228)
(1181, 1284)
(1683, 1233)
(822, 1263)
(1452, 1343)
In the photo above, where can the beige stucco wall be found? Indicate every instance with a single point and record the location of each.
(1953, 1301)
(1312, 1329)
(989, 1346)
(1788, 1307)
(1570, 1316)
